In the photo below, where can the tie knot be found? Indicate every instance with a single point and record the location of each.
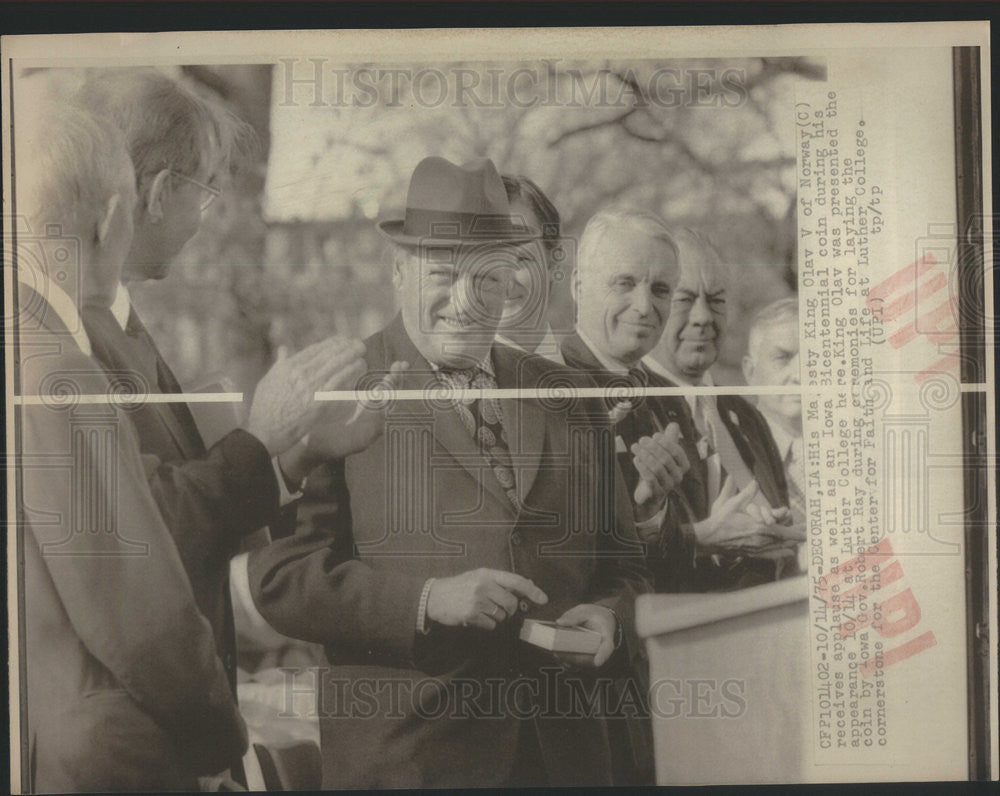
(467, 378)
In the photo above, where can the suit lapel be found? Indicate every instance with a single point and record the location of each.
(184, 428)
(758, 451)
(580, 358)
(117, 351)
(695, 482)
(524, 421)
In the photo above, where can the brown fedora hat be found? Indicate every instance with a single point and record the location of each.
(455, 204)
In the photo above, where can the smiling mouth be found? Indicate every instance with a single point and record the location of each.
(697, 340)
(454, 323)
(646, 327)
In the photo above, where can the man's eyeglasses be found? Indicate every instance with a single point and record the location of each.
(209, 191)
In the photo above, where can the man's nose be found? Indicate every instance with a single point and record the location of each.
(475, 298)
(642, 299)
(793, 370)
(463, 295)
(700, 314)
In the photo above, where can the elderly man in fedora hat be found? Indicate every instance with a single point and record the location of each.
(479, 506)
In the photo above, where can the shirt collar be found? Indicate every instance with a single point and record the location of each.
(660, 369)
(485, 365)
(606, 363)
(121, 306)
(782, 438)
(60, 302)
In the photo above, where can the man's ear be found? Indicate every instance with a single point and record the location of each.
(397, 273)
(153, 195)
(747, 368)
(111, 218)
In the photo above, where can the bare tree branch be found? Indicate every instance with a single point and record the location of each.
(616, 120)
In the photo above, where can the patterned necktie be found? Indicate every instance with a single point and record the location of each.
(795, 477)
(483, 419)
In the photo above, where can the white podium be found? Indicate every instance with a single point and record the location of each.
(729, 684)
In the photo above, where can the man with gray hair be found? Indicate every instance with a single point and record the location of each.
(124, 687)
(743, 527)
(626, 268)
(772, 359)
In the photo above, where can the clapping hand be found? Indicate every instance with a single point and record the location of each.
(735, 522)
(661, 463)
(346, 427)
(285, 408)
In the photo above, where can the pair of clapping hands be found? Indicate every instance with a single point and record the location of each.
(737, 521)
(303, 432)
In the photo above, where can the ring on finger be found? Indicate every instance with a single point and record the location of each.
(493, 613)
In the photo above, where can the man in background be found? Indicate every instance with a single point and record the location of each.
(738, 475)
(525, 322)
(772, 359)
(124, 688)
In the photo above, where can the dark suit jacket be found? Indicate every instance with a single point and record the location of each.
(124, 687)
(209, 499)
(672, 560)
(678, 569)
(425, 504)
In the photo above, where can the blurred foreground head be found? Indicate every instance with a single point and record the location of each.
(182, 146)
(692, 337)
(625, 274)
(525, 313)
(75, 188)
